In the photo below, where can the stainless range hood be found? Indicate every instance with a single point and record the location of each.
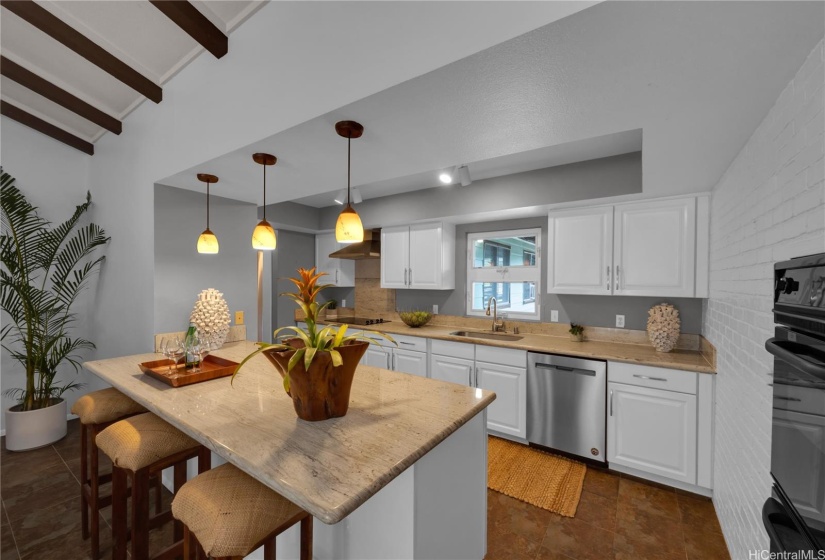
(370, 248)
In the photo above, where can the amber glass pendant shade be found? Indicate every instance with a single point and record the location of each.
(348, 229)
(263, 237)
(207, 243)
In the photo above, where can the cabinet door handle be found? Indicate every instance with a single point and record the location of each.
(611, 402)
(608, 278)
(410, 277)
(791, 399)
(617, 277)
(650, 378)
(405, 276)
(392, 361)
(336, 275)
(405, 343)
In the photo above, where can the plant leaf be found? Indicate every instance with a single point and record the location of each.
(337, 360)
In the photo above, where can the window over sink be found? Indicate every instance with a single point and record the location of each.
(505, 265)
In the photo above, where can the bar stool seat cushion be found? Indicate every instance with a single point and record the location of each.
(139, 441)
(106, 405)
(229, 511)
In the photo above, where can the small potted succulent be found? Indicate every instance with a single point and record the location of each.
(576, 332)
(317, 364)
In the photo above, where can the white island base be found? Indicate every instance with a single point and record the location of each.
(434, 510)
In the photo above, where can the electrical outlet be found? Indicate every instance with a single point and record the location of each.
(554, 315)
(239, 317)
(435, 309)
(620, 321)
(343, 303)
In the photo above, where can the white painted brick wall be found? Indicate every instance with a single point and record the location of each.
(768, 206)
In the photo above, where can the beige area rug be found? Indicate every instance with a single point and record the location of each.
(539, 478)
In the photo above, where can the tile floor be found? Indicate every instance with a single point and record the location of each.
(618, 518)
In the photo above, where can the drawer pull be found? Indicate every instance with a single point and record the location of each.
(650, 378)
(406, 343)
(792, 399)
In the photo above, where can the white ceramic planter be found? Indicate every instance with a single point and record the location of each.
(35, 428)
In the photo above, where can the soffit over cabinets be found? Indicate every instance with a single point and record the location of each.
(75, 70)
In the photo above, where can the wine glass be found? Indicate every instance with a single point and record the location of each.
(202, 350)
(176, 350)
(164, 349)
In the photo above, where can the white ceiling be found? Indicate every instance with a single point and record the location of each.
(134, 31)
(695, 77)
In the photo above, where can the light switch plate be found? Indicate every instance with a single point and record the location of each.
(435, 309)
(620, 321)
(554, 315)
(343, 303)
(239, 317)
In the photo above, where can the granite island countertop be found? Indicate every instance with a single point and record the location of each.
(688, 360)
(328, 468)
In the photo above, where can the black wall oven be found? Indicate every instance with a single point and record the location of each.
(794, 516)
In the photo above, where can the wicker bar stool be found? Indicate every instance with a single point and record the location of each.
(231, 514)
(97, 411)
(141, 447)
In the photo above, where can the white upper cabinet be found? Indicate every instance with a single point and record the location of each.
(581, 251)
(639, 249)
(654, 248)
(340, 272)
(421, 256)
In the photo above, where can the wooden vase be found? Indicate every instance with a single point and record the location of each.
(663, 326)
(322, 392)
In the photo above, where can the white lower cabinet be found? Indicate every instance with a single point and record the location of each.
(377, 356)
(454, 370)
(500, 370)
(409, 361)
(508, 413)
(652, 430)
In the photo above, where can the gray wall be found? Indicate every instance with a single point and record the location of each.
(488, 198)
(294, 250)
(181, 272)
(593, 311)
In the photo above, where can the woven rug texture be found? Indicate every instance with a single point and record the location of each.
(539, 478)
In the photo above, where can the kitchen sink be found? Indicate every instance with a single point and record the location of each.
(487, 335)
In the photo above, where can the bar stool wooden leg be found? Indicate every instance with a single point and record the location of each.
(84, 476)
(119, 528)
(306, 538)
(94, 495)
(269, 550)
(140, 514)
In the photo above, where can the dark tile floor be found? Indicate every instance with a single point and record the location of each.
(618, 518)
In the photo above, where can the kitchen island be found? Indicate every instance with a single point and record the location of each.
(402, 475)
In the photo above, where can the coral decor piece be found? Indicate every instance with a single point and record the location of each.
(211, 315)
(663, 327)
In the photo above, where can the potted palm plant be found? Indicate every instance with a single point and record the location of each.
(317, 363)
(44, 270)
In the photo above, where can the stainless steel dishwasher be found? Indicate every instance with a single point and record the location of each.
(566, 400)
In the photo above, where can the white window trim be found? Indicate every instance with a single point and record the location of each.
(507, 274)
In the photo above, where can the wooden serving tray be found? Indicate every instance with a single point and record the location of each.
(212, 367)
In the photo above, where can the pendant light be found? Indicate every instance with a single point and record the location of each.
(207, 242)
(263, 237)
(349, 228)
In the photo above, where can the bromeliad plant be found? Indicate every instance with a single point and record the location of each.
(314, 339)
(44, 270)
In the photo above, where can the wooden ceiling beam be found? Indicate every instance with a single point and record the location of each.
(38, 124)
(32, 81)
(57, 29)
(193, 22)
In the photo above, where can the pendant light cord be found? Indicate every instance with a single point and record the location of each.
(349, 164)
(264, 191)
(207, 205)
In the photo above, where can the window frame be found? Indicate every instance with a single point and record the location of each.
(514, 275)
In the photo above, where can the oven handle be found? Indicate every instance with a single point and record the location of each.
(778, 349)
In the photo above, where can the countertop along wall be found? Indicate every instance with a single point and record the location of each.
(767, 207)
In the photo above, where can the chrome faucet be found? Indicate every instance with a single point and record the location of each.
(497, 325)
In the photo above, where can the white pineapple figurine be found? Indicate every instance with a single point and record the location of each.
(663, 325)
(211, 315)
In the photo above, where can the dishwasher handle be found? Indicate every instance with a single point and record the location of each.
(565, 368)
